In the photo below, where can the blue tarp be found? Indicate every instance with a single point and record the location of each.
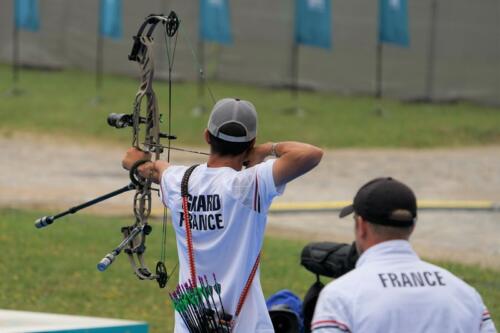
(215, 21)
(313, 23)
(393, 22)
(27, 16)
(110, 20)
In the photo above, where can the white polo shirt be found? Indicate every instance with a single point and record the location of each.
(392, 290)
(228, 210)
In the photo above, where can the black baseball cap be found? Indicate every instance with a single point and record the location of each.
(384, 201)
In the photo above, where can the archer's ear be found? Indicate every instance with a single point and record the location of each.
(361, 227)
(252, 144)
(206, 134)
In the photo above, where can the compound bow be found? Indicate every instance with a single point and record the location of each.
(134, 236)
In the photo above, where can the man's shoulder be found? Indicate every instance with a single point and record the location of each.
(261, 173)
(347, 282)
(455, 280)
(175, 170)
(265, 166)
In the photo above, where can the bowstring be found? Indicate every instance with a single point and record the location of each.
(170, 60)
(199, 67)
(178, 149)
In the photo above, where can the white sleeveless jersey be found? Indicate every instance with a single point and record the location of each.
(228, 211)
(393, 291)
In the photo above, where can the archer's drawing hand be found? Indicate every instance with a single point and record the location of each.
(258, 154)
(133, 155)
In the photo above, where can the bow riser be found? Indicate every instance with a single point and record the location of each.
(142, 199)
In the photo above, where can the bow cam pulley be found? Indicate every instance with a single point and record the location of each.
(172, 24)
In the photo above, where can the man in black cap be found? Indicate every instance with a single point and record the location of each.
(391, 289)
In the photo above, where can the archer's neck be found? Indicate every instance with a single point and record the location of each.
(234, 162)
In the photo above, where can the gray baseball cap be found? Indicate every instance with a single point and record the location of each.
(233, 120)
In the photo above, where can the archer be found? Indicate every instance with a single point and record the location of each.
(219, 209)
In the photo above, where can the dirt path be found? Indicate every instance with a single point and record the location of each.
(56, 173)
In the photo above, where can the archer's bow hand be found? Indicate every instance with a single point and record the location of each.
(133, 155)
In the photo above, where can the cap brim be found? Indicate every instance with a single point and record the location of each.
(346, 211)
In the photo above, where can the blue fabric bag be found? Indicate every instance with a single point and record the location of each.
(285, 309)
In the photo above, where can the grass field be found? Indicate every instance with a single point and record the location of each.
(60, 103)
(53, 270)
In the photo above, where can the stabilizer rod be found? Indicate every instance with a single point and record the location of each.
(110, 257)
(47, 220)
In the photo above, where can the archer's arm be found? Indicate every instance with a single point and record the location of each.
(152, 169)
(293, 159)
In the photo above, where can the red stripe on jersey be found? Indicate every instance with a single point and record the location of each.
(322, 322)
(329, 326)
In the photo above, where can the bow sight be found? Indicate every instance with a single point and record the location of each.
(121, 120)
